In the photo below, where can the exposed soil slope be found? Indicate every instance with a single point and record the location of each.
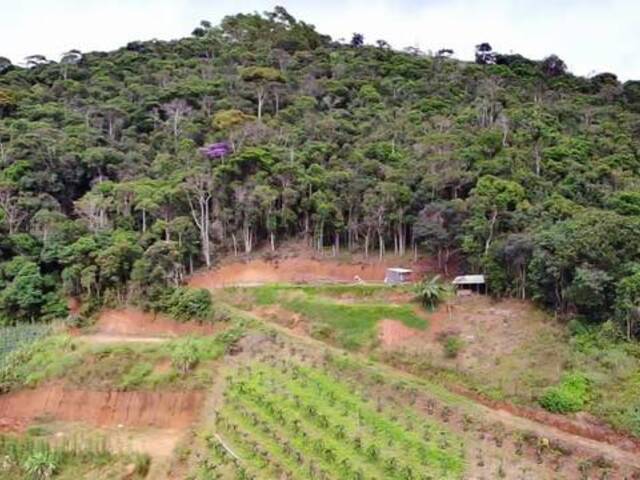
(296, 270)
(134, 322)
(132, 409)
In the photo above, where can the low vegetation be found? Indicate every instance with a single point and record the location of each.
(570, 396)
(119, 366)
(345, 315)
(187, 304)
(19, 336)
(33, 459)
(288, 419)
(431, 291)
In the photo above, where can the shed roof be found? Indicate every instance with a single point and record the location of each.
(399, 270)
(468, 280)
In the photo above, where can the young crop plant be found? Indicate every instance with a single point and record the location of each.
(315, 426)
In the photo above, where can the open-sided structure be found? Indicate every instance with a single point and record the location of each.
(475, 283)
(397, 275)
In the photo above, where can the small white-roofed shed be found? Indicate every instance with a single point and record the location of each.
(477, 283)
(397, 275)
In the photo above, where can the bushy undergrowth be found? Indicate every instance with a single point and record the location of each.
(45, 358)
(184, 304)
(452, 344)
(571, 395)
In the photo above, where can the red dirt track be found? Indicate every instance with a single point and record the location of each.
(131, 409)
(292, 270)
(131, 321)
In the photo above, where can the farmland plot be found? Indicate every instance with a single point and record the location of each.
(21, 335)
(288, 420)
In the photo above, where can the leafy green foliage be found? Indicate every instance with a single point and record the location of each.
(26, 458)
(571, 395)
(431, 291)
(452, 344)
(513, 166)
(41, 465)
(185, 304)
(184, 356)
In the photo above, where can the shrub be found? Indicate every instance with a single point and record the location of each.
(634, 419)
(452, 346)
(569, 396)
(185, 304)
(41, 465)
(431, 291)
(184, 356)
(142, 464)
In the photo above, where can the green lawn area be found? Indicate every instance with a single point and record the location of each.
(346, 314)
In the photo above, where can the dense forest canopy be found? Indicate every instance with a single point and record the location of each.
(121, 172)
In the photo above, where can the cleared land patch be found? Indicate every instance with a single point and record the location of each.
(295, 270)
(347, 315)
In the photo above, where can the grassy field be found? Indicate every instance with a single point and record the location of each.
(348, 315)
(289, 420)
(118, 366)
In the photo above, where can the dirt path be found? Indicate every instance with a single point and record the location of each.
(296, 270)
(628, 456)
(105, 338)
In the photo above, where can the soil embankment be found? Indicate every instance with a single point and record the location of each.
(134, 322)
(166, 409)
(296, 270)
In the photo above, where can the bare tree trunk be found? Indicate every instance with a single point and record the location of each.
(537, 156)
(202, 220)
(260, 95)
(492, 223)
(366, 244)
(247, 236)
(380, 245)
(234, 239)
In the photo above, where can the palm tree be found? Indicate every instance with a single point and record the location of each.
(431, 291)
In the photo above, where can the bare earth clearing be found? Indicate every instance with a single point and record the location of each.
(174, 410)
(134, 322)
(297, 270)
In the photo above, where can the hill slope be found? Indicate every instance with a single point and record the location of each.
(121, 171)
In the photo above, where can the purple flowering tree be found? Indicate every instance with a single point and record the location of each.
(216, 150)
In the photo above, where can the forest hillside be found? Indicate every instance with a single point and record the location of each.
(122, 172)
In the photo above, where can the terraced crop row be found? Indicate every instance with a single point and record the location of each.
(21, 335)
(293, 421)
